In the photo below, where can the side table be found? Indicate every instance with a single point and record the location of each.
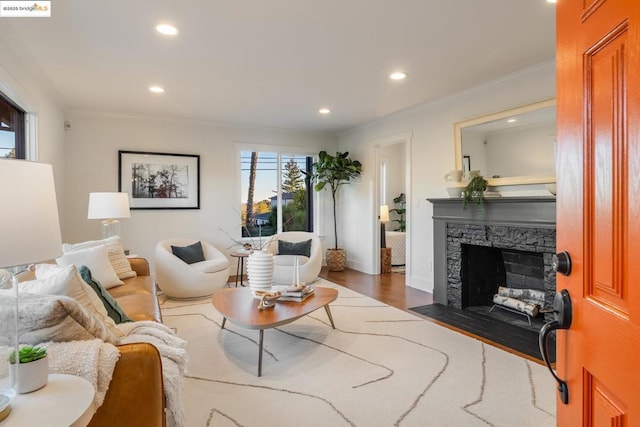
(385, 260)
(241, 255)
(65, 401)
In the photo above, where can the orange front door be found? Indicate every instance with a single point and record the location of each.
(598, 60)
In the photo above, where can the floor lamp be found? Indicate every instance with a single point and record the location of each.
(29, 224)
(109, 207)
(384, 217)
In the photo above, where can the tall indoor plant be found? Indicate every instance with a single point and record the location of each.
(332, 172)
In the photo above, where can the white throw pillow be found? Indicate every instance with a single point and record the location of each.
(53, 279)
(98, 262)
(117, 258)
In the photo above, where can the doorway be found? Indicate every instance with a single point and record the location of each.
(392, 190)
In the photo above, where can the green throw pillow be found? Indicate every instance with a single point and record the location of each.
(113, 308)
(189, 254)
(291, 248)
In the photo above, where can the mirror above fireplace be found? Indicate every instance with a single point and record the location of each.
(511, 147)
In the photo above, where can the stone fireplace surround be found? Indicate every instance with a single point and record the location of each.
(521, 223)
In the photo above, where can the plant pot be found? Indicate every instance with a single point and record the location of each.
(260, 270)
(336, 259)
(31, 376)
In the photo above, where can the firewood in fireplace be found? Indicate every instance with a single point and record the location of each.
(516, 304)
(532, 296)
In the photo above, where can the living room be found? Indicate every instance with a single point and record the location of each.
(47, 68)
(87, 157)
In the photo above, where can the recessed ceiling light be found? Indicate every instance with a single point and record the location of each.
(398, 75)
(167, 29)
(324, 111)
(552, 1)
(511, 121)
(156, 89)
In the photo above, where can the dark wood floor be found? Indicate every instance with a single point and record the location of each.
(388, 288)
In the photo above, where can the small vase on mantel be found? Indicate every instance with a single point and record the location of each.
(260, 270)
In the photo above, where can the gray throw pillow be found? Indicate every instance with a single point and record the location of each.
(111, 305)
(294, 248)
(189, 254)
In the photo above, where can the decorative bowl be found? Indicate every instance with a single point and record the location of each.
(455, 192)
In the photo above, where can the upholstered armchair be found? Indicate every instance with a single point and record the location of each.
(283, 264)
(180, 280)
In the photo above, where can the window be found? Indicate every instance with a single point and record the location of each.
(12, 139)
(276, 193)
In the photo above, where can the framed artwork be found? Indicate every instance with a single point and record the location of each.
(159, 180)
(466, 164)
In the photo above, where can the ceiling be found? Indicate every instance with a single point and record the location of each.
(276, 62)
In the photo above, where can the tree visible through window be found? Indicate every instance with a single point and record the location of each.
(12, 143)
(274, 183)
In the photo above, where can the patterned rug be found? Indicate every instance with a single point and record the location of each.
(380, 367)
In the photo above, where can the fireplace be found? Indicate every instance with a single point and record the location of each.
(509, 243)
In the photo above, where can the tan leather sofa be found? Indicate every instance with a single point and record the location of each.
(135, 396)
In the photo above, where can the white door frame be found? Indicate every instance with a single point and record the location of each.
(375, 226)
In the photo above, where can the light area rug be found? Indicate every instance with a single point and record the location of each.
(380, 367)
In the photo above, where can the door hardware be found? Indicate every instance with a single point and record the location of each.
(563, 315)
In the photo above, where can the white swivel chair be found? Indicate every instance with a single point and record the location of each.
(283, 264)
(180, 280)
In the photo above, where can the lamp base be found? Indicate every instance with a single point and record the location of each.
(110, 228)
(10, 281)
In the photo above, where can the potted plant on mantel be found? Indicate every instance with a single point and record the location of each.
(474, 191)
(33, 369)
(334, 171)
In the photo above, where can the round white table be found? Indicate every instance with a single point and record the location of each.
(64, 401)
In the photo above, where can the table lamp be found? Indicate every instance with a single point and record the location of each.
(109, 207)
(29, 223)
(384, 217)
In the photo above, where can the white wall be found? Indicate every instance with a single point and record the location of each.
(432, 155)
(92, 147)
(23, 82)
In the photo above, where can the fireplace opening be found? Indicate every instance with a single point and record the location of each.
(504, 284)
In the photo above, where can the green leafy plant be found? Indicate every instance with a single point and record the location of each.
(334, 171)
(474, 191)
(400, 210)
(28, 354)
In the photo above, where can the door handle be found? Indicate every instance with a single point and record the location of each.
(562, 312)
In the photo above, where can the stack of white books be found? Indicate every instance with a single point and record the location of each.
(297, 293)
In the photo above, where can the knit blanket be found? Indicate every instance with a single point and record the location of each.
(174, 361)
(93, 360)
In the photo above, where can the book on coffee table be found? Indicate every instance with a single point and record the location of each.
(288, 294)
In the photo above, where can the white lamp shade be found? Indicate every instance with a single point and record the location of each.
(108, 206)
(384, 213)
(29, 223)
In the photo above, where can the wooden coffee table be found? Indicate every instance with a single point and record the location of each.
(240, 307)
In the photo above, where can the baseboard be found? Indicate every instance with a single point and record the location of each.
(359, 266)
(420, 283)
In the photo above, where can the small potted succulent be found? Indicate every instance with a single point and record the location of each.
(33, 368)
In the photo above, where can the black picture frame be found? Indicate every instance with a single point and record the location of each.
(466, 164)
(159, 180)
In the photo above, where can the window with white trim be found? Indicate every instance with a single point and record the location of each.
(276, 193)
